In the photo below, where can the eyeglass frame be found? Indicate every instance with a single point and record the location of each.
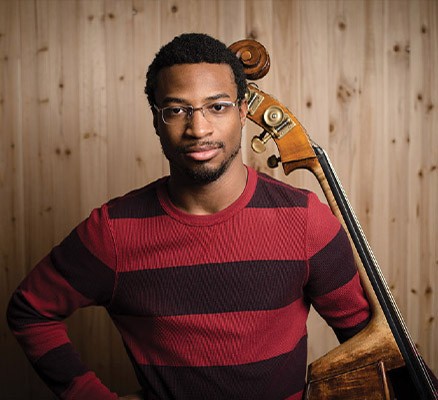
(189, 114)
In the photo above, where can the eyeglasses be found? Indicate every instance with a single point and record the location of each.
(212, 112)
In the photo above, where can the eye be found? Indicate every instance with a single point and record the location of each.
(219, 108)
(175, 111)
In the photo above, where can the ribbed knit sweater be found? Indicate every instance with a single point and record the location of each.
(208, 307)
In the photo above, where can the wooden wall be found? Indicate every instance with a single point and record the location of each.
(76, 130)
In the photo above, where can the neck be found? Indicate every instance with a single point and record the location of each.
(208, 198)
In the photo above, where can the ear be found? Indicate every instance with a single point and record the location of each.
(243, 111)
(155, 121)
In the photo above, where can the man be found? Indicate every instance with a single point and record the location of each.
(209, 273)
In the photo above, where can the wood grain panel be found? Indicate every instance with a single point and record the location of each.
(422, 177)
(150, 163)
(93, 108)
(12, 223)
(396, 126)
(76, 130)
(316, 72)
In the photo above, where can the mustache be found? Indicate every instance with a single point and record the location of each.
(206, 144)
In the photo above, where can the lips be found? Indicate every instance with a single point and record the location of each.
(203, 152)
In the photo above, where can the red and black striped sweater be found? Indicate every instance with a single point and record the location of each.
(209, 307)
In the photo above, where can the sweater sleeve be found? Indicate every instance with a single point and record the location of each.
(333, 284)
(79, 272)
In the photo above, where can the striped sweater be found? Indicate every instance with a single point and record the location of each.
(207, 306)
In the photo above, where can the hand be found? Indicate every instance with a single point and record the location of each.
(134, 396)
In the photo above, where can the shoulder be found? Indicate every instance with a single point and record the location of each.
(138, 203)
(97, 231)
(320, 222)
(271, 192)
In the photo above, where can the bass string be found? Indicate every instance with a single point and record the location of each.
(370, 252)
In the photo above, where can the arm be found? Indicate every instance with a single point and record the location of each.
(77, 273)
(333, 281)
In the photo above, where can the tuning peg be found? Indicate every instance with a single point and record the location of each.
(258, 142)
(273, 161)
(273, 116)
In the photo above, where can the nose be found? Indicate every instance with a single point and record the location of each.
(198, 126)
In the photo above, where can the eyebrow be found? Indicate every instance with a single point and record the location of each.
(179, 100)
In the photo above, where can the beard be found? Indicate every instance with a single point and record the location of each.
(203, 174)
(200, 173)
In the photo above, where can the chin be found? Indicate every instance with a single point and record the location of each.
(204, 175)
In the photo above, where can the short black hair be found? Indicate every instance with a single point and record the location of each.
(194, 48)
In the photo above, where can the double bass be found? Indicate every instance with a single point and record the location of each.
(381, 361)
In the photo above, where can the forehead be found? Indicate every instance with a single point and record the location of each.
(195, 82)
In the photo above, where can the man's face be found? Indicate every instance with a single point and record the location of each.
(198, 148)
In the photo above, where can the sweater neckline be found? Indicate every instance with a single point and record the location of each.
(211, 219)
